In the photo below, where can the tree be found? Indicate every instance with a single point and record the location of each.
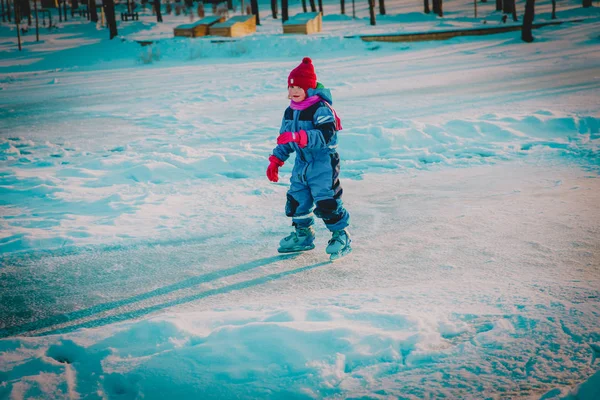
(93, 11)
(553, 9)
(321, 6)
(514, 10)
(157, 10)
(313, 7)
(109, 11)
(382, 7)
(303, 5)
(498, 5)
(342, 7)
(426, 6)
(25, 10)
(586, 3)
(284, 10)
(372, 11)
(254, 5)
(507, 6)
(528, 21)
(274, 9)
(437, 7)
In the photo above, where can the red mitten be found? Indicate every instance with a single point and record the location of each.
(273, 168)
(299, 137)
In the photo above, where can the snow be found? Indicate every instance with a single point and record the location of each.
(138, 232)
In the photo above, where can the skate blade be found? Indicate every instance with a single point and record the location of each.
(336, 256)
(296, 249)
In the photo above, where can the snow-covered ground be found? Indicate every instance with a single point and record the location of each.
(139, 232)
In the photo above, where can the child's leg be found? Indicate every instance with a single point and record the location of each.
(299, 205)
(326, 190)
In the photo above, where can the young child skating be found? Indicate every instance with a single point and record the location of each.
(309, 128)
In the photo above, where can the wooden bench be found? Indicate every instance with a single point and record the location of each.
(304, 23)
(82, 10)
(239, 25)
(198, 28)
(125, 16)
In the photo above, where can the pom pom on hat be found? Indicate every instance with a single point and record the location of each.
(303, 75)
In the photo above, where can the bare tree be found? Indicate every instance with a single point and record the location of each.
(437, 7)
(156, 10)
(528, 21)
(254, 5)
(109, 11)
(284, 11)
(92, 10)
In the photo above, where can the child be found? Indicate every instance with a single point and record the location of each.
(309, 128)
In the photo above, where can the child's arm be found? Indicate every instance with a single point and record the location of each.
(317, 138)
(324, 123)
(283, 151)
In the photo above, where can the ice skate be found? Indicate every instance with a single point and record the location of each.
(302, 239)
(339, 245)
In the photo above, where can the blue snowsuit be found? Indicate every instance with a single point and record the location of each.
(315, 176)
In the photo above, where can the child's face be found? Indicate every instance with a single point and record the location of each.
(296, 93)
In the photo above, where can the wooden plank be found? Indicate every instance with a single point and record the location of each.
(198, 28)
(239, 25)
(448, 34)
(304, 23)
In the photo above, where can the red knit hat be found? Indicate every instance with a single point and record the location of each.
(303, 75)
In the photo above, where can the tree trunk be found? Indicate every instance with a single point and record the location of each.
(25, 10)
(426, 6)
(498, 5)
(313, 7)
(157, 11)
(254, 5)
(321, 6)
(382, 7)
(17, 22)
(230, 4)
(507, 6)
(437, 7)
(586, 3)
(553, 9)
(92, 11)
(372, 11)
(441, 5)
(343, 7)
(37, 25)
(284, 10)
(109, 11)
(304, 6)
(274, 9)
(528, 21)
(514, 10)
